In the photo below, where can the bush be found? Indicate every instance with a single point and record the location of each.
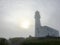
(3, 41)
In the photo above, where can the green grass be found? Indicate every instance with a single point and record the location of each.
(40, 41)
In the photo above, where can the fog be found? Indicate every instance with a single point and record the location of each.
(11, 10)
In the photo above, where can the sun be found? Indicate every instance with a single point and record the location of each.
(25, 23)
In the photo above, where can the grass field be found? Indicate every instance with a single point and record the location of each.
(42, 41)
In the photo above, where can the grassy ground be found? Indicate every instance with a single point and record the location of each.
(42, 41)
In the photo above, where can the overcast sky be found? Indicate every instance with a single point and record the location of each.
(10, 10)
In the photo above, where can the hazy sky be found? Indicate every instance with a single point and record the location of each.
(12, 11)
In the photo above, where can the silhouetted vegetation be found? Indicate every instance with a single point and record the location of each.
(16, 41)
(42, 41)
(31, 41)
(3, 41)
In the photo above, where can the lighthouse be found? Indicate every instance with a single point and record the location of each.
(37, 24)
(43, 31)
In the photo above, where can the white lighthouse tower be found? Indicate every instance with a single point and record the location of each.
(37, 24)
(43, 31)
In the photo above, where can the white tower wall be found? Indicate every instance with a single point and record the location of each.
(37, 24)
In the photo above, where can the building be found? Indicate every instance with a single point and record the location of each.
(43, 31)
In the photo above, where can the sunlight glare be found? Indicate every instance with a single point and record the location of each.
(25, 24)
